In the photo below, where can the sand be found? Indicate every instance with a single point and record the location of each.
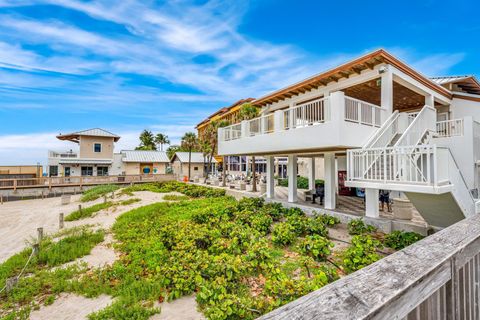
(71, 307)
(184, 308)
(19, 220)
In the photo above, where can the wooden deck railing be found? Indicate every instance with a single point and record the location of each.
(436, 278)
(49, 182)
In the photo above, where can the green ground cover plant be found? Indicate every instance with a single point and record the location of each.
(97, 192)
(88, 211)
(358, 227)
(175, 197)
(241, 259)
(398, 239)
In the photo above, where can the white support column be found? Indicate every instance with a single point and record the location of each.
(429, 100)
(371, 203)
(311, 173)
(245, 127)
(292, 178)
(330, 188)
(278, 121)
(270, 177)
(386, 92)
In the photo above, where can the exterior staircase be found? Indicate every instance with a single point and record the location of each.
(402, 156)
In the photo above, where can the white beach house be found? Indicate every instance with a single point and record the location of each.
(388, 125)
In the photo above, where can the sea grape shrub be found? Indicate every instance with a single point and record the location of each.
(250, 204)
(299, 223)
(357, 227)
(283, 233)
(398, 240)
(328, 220)
(294, 212)
(361, 253)
(274, 210)
(316, 226)
(316, 246)
(261, 222)
(259, 258)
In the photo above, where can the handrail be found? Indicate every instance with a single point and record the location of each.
(363, 112)
(449, 128)
(417, 127)
(261, 125)
(383, 129)
(435, 278)
(307, 114)
(231, 132)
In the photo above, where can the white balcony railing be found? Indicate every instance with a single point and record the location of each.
(450, 128)
(66, 154)
(261, 125)
(307, 114)
(310, 113)
(411, 164)
(362, 112)
(232, 132)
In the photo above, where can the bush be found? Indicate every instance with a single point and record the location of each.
(357, 227)
(316, 226)
(361, 253)
(328, 220)
(283, 233)
(299, 224)
(175, 197)
(97, 192)
(317, 247)
(87, 212)
(302, 182)
(261, 222)
(274, 210)
(293, 212)
(398, 240)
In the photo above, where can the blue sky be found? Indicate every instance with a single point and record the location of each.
(68, 65)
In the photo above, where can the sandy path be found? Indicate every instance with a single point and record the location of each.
(71, 307)
(184, 308)
(19, 220)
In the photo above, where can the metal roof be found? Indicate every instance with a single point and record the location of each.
(448, 79)
(144, 156)
(197, 157)
(94, 132)
(84, 161)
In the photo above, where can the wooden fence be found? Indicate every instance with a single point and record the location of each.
(437, 278)
(50, 182)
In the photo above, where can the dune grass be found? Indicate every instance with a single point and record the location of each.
(175, 197)
(88, 211)
(97, 192)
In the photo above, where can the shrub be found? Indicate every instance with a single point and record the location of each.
(293, 212)
(299, 224)
(316, 226)
(361, 253)
(283, 233)
(398, 240)
(261, 222)
(129, 201)
(87, 212)
(302, 182)
(328, 220)
(317, 247)
(174, 197)
(274, 210)
(357, 227)
(97, 192)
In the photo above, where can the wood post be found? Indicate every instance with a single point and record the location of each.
(60, 221)
(1, 199)
(39, 235)
(10, 283)
(104, 198)
(36, 249)
(113, 194)
(80, 208)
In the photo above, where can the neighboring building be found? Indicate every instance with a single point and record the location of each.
(131, 162)
(412, 134)
(21, 172)
(198, 163)
(94, 156)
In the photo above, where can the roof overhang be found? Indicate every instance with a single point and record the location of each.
(354, 67)
(84, 161)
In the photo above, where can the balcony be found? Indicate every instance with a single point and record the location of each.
(62, 154)
(333, 122)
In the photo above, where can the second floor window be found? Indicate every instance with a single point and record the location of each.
(97, 147)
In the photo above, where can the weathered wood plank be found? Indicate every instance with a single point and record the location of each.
(375, 291)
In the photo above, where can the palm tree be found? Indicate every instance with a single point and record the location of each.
(161, 139)
(209, 142)
(147, 141)
(247, 112)
(189, 143)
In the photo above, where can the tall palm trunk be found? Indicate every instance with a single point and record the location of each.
(254, 176)
(189, 163)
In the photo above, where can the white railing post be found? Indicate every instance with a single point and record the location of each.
(245, 129)
(359, 111)
(220, 135)
(337, 106)
(292, 118)
(278, 121)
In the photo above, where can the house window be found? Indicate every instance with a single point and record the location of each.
(97, 147)
(53, 171)
(195, 168)
(146, 170)
(102, 171)
(87, 171)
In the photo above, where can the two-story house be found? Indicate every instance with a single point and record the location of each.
(93, 156)
(389, 126)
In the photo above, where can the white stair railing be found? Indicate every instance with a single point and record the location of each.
(423, 122)
(385, 134)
